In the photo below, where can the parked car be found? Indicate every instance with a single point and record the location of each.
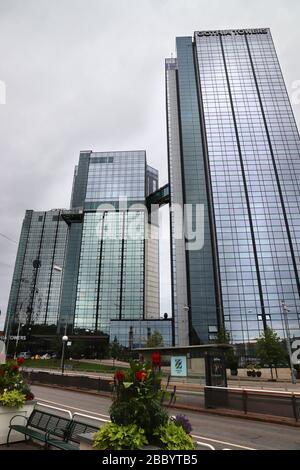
(46, 356)
(25, 354)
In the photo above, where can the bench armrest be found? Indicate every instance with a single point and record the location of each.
(16, 416)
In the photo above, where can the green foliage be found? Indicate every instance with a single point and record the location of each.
(117, 437)
(115, 349)
(138, 399)
(173, 437)
(231, 359)
(155, 340)
(148, 414)
(12, 380)
(269, 348)
(223, 336)
(12, 399)
(76, 365)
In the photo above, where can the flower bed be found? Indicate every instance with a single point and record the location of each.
(15, 397)
(138, 417)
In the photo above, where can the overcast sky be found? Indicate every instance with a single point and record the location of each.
(89, 74)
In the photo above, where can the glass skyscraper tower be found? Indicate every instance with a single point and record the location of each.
(93, 270)
(111, 279)
(36, 284)
(234, 148)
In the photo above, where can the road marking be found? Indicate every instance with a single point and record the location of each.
(222, 442)
(107, 416)
(72, 407)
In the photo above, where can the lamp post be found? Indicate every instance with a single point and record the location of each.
(18, 337)
(285, 310)
(64, 342)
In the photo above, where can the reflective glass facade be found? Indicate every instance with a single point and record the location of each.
(81, 269)
(111, 271)
(113, 175)
(36, 287)
(112, 263)
(251, 146)
(134, 334)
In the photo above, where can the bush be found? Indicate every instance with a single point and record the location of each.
(173, 437)
(137, 398)
(11, 380)
(12, 399)
(115, 437)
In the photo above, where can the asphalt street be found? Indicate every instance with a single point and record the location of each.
(218, 431)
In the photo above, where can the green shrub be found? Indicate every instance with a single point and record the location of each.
(11, 378)
(12, 399)
(146, 414)
(138, 397)
(173, 437)
(115, 437)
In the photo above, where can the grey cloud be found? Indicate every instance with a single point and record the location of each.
(91, 75)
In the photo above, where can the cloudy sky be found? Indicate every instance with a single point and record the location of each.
(89, 74)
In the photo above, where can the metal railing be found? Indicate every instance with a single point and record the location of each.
(282, 404)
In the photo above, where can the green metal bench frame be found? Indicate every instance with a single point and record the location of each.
(71, 440)
(39, 425)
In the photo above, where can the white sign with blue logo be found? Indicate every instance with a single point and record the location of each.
(178, 366)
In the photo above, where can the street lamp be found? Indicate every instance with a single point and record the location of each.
(18, 337)
(64, 342)
(285, 310)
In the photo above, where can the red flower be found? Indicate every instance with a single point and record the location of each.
(156, 359)
(140, 375)
(119, 375)
(15, 368)
(20, 360)
(29, 396)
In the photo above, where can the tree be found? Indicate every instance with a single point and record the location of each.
(270, 350)
(223, 336)
(115, 349)
(231, 359)
(154, 340)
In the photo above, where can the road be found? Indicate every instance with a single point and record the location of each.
(221, 432)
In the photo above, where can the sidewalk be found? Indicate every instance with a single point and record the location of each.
(22, 446)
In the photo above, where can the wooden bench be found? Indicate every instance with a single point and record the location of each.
(39, 425)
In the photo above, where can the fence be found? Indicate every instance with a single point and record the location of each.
(73, 381)
(268, 402)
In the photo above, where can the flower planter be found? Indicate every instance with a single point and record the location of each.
(86, 443)
(5, 416)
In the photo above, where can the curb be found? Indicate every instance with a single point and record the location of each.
(254, 417)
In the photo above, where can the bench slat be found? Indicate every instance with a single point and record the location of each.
(62, 445)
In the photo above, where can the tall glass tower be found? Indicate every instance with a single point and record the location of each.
(36, 285)
(234, 148)
(92, 271)
(111, 275)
